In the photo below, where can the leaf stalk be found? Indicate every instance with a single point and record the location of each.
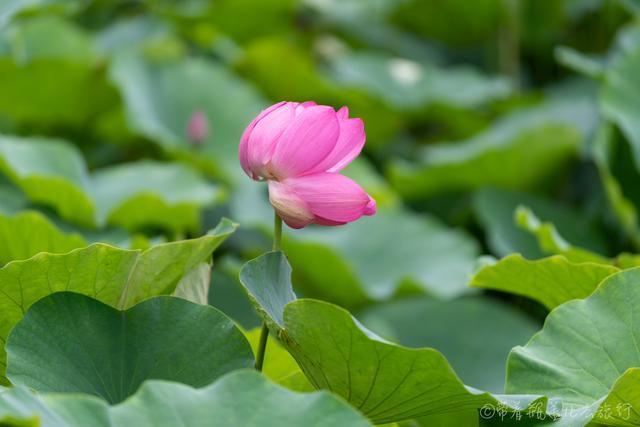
(264, 332)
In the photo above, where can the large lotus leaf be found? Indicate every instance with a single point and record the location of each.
(68, 342)
(242, 398)
(520, 151)
(28, 233)
(159, 106)
(495, 210)
(132, 195)
(408, 85)
(385, 381)
(587, 353)
(161, 268)
(478, 336)
(621, 405)
(117, 277)
(274, 272)
(48, 58)
(150, 193)
(551, 281)
(357, 266)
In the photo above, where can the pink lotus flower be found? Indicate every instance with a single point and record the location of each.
(198, 127)
(300, 148)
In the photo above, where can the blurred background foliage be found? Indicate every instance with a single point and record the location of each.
(493, 127)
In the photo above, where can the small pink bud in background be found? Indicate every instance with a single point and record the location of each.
(300, 148)
(198, 127)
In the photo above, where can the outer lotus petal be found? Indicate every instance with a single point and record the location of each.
(304, 105)
(244, 140)
(343, 113)
(306, 142)
(333, 199)
(260, 137)
(349, 145)
(293, 210)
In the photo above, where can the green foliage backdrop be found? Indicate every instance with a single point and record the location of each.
(497, 284)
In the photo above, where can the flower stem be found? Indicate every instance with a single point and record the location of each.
(277, 232)
(264, 332)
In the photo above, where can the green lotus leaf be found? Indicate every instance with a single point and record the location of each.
(117, 277)
(480, 332)
(587, 354)
(551, 281)
(167, 404)
(385, 381)
(71, 343)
